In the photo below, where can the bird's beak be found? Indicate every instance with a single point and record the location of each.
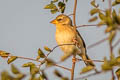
(54, 21)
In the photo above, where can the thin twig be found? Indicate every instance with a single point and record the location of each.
(28, 58)
(20, 57)
(62, 67)
(43, 61)
(90, 60)
(97, 43)
(84, 77)
(73, 68)
(87, 25)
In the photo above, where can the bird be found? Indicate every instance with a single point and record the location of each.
(65, 36)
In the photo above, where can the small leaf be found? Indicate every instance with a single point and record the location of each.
(54, 11)
(49, 62)
(50, 6)
(4, 54)
(102, 16)
(28, 64)
(94, 11)
(93, 4)
(11, 59)
(47, 49)
(54, 1)
(116, 2)
(118, 73)
(87, 69)
(118, 59)
(57, 73)
(14, 69)
(106, 66)
(61, 6)
(93, 19)
(64, 78)
(20, 76)
(33, 70)
(112, 36)
(115, 17)
(101, 23)
(40, 53)
(109, 29)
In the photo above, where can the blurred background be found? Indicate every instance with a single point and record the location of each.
(25, 27)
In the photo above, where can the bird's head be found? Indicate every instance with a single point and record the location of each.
(62, 20)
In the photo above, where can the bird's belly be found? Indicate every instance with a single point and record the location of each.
(66, 40)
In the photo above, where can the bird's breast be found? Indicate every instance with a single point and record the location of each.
(65, 36)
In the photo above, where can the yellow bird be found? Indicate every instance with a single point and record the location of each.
(66, 35)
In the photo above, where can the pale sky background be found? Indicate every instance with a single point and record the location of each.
(25, 27)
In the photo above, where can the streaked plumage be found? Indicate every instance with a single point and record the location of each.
(65, 35)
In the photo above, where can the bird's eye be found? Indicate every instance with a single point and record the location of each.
(59, 19)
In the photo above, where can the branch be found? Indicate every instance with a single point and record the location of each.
(84, 77)
(20, 57)
(74, 24)
(87, 25)
(90, 60)
(62, 67)
(43, 61)
(97, 43)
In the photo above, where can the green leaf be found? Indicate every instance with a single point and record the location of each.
(64, 78)
(47, 49)
(118, 73)
(40, 53)
(57, 73)
(20, 76)
(54, 11)
(11, 59)
(49, 62)
(54, 1)
(61, 6)
(6, 76)
(86, 69)
(101, 23)
(4, 54)
(93, 4)
(118, 59)
(116, 2)
(93, 19)
(102, 16)
(115, 17)
(94, 11)
(109, 29)
(28, 64)
(50, 6)
(106, 65)
(108, 13)
(112, 36)
(34, 70)
(14, 69)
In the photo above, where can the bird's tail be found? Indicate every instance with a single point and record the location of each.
(87, 60)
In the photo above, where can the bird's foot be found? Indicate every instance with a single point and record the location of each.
(75, 41)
